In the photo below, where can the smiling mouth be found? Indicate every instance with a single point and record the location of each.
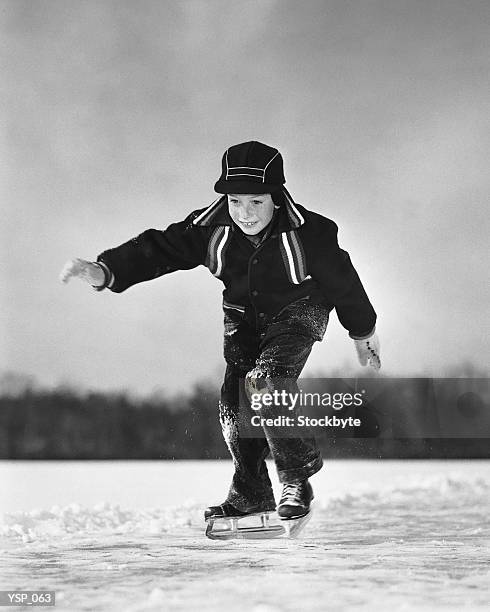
(248, 223)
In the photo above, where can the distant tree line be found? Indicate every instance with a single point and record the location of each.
(64, 423)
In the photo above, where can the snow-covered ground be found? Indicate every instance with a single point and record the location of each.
(385, 535)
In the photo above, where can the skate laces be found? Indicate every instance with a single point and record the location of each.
(292, 492)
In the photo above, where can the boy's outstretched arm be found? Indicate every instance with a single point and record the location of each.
(147, 256)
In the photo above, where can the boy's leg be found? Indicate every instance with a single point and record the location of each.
(251, 488)
(285, 346)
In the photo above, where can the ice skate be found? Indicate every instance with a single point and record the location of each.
(225, 522)
(294, 509)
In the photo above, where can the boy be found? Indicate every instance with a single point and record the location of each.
(283, 273)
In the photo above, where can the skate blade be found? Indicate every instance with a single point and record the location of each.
(245, 533)
(229, 529)
(294, 526)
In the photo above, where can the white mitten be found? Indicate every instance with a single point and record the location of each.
(88, 271)
(368, 351)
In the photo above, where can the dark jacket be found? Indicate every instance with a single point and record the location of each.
(299, 257)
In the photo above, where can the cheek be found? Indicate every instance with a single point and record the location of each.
(266, 215)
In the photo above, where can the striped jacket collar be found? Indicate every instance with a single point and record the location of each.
(290, 218)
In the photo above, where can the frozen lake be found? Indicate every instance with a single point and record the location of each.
(385, 535)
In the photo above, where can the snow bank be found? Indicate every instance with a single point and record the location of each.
(456, 489)
(104, 518)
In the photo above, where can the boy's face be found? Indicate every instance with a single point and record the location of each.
(251, 212)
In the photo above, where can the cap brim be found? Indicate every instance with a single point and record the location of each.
(245, 187)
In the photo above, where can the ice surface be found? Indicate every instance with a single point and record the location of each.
(419, 540)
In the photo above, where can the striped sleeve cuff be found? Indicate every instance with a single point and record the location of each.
(108, 277)
(363, 336)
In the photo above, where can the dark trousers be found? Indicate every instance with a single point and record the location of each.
(274, 354)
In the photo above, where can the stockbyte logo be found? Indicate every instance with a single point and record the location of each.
(305, 421)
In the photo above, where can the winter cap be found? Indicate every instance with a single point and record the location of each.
(251, 167)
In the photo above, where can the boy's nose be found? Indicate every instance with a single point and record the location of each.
(246, 212)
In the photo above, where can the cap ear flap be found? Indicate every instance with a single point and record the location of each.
(278, 197)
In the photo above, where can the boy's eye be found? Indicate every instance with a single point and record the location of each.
(236, 202)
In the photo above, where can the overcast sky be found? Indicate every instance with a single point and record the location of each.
(117, 114)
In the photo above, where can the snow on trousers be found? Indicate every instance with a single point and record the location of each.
(275, 352)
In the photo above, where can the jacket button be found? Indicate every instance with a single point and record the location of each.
(255, 261)
(254, 293)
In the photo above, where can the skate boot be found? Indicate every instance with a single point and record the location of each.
(295, 500)
(294, 508)
(223, 511)
(225, 522)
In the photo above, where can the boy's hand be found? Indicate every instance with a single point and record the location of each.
(368, 351)
(88, 271)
